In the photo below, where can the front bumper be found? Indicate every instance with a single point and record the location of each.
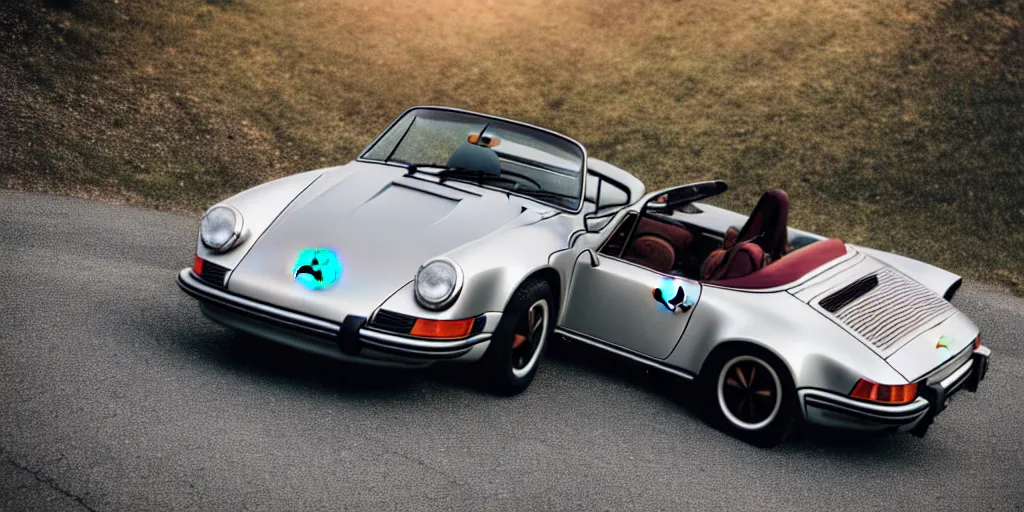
(834, 410)
(351, 340)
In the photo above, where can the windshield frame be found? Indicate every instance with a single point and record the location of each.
(581, 197)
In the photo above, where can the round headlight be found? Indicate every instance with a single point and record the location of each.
(438, 283)
(221, 228)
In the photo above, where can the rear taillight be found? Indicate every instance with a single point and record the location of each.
(197, 265)
(884, 394)
(977, 342)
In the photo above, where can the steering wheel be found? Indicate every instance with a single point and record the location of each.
(524, 178)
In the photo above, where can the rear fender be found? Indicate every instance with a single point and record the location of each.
(940, 281)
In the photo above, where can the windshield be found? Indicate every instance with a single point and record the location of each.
(536, 163)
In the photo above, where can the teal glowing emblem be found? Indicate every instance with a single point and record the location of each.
(317, 268)
(676, 295)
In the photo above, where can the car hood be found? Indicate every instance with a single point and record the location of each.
(381, 225)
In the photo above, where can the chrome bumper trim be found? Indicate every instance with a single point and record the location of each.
(881, 415)
(372, 339)
(200, 290)
(958, 375)
(369, 334)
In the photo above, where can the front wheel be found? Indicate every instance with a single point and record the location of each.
(749, 395)
(511, 360)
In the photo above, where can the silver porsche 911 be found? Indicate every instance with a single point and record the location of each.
(466, 237)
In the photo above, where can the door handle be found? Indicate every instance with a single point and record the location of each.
(675, 304)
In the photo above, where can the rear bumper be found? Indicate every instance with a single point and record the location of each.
(350, 340)
(834, 410)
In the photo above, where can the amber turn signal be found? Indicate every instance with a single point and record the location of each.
(442, 328)
(884, 394)
(977, 342)
(197, 265)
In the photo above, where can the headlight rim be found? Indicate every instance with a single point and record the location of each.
(456, 289)
(237, 232)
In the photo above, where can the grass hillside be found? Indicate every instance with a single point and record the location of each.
(894, 124)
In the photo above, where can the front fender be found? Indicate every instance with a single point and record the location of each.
(493, 269)
(940, 281)
(259, 206)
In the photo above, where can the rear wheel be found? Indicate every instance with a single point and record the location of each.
(518, 343)
(749, 394)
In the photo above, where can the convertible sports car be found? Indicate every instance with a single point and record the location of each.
(462, 236)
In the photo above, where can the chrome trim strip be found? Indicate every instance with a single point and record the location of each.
(918, 405)
(958, 359)
(959, 374)
(862, 416)
(583, 338)
(203, 291)
(414, 343)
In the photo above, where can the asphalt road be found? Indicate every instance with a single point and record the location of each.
(115, 394)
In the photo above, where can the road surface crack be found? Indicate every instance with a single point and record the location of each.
(42, 478)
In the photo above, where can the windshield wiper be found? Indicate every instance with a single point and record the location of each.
(480, 176)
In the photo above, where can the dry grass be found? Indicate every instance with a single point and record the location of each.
(894, 124)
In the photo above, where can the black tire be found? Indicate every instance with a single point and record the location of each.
(758, 408)
(516, 348)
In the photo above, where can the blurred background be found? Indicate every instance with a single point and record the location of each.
(891, 123)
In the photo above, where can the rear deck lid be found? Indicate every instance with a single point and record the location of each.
(937, 351)
(876, 304)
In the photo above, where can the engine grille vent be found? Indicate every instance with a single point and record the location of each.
(849, 293)
(213, 274)
(394, 322)
(887, 313)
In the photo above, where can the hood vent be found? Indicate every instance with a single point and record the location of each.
(849, 293)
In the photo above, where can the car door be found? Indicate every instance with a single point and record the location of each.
(614, 302)
(627, 305)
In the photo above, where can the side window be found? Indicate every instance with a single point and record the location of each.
(613, 195)
(618, 239)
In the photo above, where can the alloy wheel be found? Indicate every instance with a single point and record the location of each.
(528, 338)
(749, 392)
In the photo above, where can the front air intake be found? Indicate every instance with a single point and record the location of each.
(213, 274)
(394, 322)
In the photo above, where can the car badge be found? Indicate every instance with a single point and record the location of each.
(317, 268)
(944, 342)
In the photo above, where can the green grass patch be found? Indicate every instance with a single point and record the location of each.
(891, 124)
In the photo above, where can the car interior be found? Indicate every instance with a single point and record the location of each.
(753, 256)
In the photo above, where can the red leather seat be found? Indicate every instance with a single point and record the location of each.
(746, 259)
(652, 252)
(766, 225)
(790, 267)
(680, 238)
(658, 244)
(765, 229)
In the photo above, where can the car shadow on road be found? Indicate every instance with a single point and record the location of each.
(281, 365)
(803, 440)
